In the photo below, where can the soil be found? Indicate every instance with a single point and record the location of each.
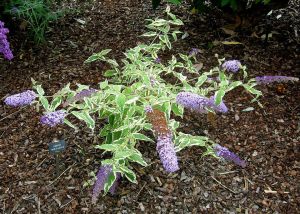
(267, 138)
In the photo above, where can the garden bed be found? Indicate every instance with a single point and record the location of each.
(267, 138)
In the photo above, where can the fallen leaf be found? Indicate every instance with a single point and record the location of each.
(228, 31)
(231, 43)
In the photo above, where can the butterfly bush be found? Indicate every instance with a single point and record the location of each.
(230, 156)
(4, 44)
(129, 104)
(165, 146)
(232, 65)
(101, 178)
(53, 118)
(270, 79)
(21, 99)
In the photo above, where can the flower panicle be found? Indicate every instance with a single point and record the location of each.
(21, 99)
(228, 155)
(4, 44)
(232, 65)
(53, 118)
(261, 80)
(199, 103)
(102, 176)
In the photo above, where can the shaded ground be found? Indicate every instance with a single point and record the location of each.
(267, 138)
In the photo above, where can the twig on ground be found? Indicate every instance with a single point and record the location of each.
(223, 185)
(59, 176)
(13, 113)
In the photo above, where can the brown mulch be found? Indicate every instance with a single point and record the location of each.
(268, 138)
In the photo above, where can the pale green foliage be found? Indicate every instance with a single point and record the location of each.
(137, 83)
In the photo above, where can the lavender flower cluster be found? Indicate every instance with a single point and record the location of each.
(53, 118)
(4, 44)
(21, 99)
(270, 79)
(199, 103)
(232, 66)
(230, 156)
(102, 176)
(167, 154)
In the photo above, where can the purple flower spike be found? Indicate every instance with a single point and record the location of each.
(231, 65)
(230, 156)
(53, 118)
(102, 177)
(21, 99)
(271, 79)
(167, 154)
(222, 108)
(193, 101)
(4, 44)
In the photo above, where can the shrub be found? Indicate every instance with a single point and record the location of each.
(136, 98)
(37, 14)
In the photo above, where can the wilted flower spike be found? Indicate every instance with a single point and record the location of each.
(230, 156)
(4, 44)
(271, 79)
(21, 99)
(167, 154)
(193, 101)
(102, 176)
(79, 96)
(231, 65)
(53, 118)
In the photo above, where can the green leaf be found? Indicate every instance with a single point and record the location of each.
(85, 117)
(200, 81)
(109, 182)
(120, 100)
(122, 154)
(139, 136)
(55, 103)
(130, 175)
(219, 96)
(178, 110)
(40, 90)
(104, 84)
(132, 100)
(186, 140)
(233, 85)
(44, 102)
(108, 147)
(70, 124)
(150, 34)
(109, 73)
(175, 1)
(138, 159)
